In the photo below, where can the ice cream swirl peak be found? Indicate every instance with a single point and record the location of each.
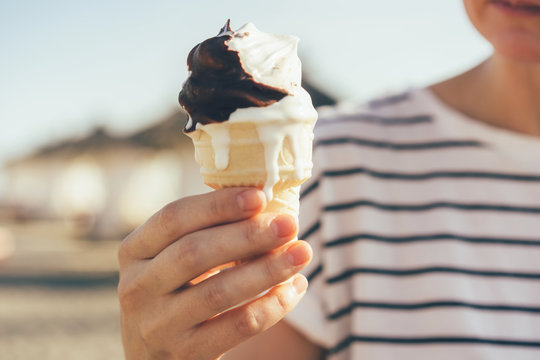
(238, 69)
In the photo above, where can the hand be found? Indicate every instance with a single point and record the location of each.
(173, 306)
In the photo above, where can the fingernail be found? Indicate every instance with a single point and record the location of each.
(298, 254)
(250, 200)
(300, 284)
(283, 225)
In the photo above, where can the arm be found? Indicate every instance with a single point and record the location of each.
(167, 314)
(281, 342)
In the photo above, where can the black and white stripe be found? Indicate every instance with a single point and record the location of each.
(396, 146)
(533, 276)
(426, 305)
(457, 340)
(423, 176)
(431, 206)
(389, 100)
(424, 238)
(377, 120)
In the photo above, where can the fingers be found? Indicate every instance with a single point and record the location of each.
(188, 215)
(230, 288)
(233, 327)
(200, 251)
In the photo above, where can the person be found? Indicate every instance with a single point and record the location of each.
(423, 219)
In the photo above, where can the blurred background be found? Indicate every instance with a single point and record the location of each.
(91, 142)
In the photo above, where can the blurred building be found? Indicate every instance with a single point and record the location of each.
(106, 185)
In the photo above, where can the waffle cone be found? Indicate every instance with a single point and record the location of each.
(246, 164)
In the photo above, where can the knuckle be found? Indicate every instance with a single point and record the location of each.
(216, 296)
(269, 271)
(282, 303)
(123, 252)
(168, 218)
(215, 206)
(128, 293)
(252, 230)
(218, 205)
(247, 323)
(179, 353)
(188, 252)
(150, 332)
(186, 345)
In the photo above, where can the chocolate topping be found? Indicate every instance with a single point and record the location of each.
(218, 85)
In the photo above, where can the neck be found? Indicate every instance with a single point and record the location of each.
(499, 92)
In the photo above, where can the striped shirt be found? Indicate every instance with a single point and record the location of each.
(425, 226)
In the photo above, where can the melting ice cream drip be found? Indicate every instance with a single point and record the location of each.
(221, 141)
(297, 141)
(272, 136)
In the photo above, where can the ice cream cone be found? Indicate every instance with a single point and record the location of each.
(249, 118)
(241, 158)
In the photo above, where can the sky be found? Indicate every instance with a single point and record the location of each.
(67, 66)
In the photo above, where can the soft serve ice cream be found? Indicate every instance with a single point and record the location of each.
(249, 117)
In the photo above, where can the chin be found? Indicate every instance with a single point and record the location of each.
(511, 26)
(518, 47)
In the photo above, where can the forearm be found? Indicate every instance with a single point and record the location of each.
(279, 342)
